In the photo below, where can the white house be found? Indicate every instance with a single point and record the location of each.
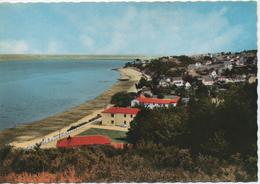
(163, 83)
(222, 79)
(240, 62)
(208, 62)
(198, 64)
(207, 81)
(177, 81)
(168, 80)
(187, 85)
(228, 65)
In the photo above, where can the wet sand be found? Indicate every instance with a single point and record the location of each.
(31, 132)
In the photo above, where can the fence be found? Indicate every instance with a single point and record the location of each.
(60, 135)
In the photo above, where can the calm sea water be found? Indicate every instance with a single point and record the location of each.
(32, 90)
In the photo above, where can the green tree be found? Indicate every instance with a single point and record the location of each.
(238, 117)
(201, 122)
(161, 125)
(122, 99)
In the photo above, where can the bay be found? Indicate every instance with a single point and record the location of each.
(33, 90)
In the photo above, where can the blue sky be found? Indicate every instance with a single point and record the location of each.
(127, 28)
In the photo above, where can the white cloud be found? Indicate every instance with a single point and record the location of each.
(137, 31)
(13, 47)
(163, 32)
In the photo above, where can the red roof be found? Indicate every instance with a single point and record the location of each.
(83, 141)
(158, 100)
(122, 110)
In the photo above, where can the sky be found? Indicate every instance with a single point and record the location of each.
(169, 28)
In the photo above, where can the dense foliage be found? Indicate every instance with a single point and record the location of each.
(205, 128)
(146, 162)
(122, 99)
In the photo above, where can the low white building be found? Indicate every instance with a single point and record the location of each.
(155, 102)
(163, 83)
(240, 62)
(198, 64)
(177, 81)
(228, 65)
(208, 62)
(222, 79)
(207, 81)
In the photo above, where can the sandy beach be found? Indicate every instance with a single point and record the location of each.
(29, 134)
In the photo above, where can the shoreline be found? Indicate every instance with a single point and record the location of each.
(35, 131)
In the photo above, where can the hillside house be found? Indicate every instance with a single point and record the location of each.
(155, 102)
(119, 116)
(198, 64)
(228, 65)
(177, 81)
(222, 79)
(163, 83)
(207, 81)
(213, 74)
(187, 85)
(240, 62)
(208, 62)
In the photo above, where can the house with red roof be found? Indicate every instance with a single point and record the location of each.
(155, 102)
(119, 116)
(89, 140)
(78, 141)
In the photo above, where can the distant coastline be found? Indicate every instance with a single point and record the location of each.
(10, 57)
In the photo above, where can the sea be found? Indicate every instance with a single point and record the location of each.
(33, 90)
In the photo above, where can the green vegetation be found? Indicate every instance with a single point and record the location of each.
(217, 132)
(122, 99)
(185, 60)
(146, 162)
(116, 136)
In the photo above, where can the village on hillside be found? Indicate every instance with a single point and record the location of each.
(172, 80)
(168, 80)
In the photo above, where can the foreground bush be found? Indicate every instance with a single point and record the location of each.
(143, 163)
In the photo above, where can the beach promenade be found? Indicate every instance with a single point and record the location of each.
(26, 135)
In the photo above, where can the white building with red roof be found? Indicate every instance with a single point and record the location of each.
(119, 116)
(155, 102)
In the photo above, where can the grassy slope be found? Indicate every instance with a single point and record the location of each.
(116, 136)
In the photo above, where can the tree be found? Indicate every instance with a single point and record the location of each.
(143, 82)
(122, 99)
(201, 122)
(160, 125)
(238, 117)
